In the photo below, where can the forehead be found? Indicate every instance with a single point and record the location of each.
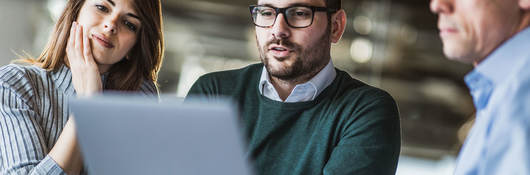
(287, 3)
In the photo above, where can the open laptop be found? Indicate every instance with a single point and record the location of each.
(134, 135)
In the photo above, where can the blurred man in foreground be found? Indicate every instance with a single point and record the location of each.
(494, 36)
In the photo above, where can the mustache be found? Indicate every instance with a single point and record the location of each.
(283, 42)
(446, 22)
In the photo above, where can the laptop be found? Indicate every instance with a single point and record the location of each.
(135, 135)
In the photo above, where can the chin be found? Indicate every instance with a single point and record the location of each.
(105, 59)
(99, 60)
(458, 54)
(278, 66)
(274, 66)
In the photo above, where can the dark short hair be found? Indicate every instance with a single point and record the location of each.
(334, 4)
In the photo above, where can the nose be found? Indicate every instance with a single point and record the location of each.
(110, 25)
(280, 29)
(441, 6)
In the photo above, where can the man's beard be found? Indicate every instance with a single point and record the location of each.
(308, 62)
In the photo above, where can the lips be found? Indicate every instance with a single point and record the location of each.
(447, 26)
(447, 31)
(102, 40)
(279, 50)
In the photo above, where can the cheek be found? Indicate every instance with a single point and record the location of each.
(465, 25)
(475, 19)
(84, 20)
(86, 17)
(307, 37)
(127, 41)
(261, 36)
(476, 29)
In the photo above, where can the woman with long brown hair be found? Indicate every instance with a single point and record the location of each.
(96, 45)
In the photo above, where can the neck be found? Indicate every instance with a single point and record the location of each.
(519, 27)
(284, 87)
(103, 68)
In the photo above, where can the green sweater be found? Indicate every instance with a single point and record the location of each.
(350, 128)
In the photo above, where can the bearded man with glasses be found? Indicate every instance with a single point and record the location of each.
(301, 115)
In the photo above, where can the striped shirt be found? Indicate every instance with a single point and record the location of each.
(33, 112)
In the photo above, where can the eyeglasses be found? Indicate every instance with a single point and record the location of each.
(295, 16)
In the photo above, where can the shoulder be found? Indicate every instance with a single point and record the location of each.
(362, 102)
(352, 88)
(366, 112)
(19, 71)
(223, 81)
(20, 79)
(148, 87)
(516, 95)
(232, 74)
(20, 75)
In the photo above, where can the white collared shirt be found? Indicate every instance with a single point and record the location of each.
(307, 91)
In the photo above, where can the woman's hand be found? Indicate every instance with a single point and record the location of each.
(85, 73)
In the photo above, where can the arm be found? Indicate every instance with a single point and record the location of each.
(87, 81)
(22, 143)
(508, 145)
(200, 88)
(508, 152)
(66, 150)
(370, 142)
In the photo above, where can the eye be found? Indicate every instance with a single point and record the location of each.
(265, 12)
(130, 26)
(102, 8)
(302, 13)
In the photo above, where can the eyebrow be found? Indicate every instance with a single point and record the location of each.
(290, 5)
(128, 14)
(112, 2)
(133, 15)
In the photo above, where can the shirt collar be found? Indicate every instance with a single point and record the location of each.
(324, 78)
(319, 82)
(501, 62)
(495, 69)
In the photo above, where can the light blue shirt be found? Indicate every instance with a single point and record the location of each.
(499, 142)
(307, 91)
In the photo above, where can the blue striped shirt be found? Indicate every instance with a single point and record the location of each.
(33, 112)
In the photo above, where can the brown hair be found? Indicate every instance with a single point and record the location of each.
(145, 57)
(332, 4)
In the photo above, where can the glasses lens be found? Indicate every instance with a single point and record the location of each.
(299, 16)
(264, 16)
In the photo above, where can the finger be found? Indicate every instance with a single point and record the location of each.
(87, 49)
(79, 42)
(72, 34)
(71, 43)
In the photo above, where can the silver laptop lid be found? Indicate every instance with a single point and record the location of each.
(134, 135)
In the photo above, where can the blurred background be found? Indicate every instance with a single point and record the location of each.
(390, 44)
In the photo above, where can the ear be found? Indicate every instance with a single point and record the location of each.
(338, 25)
(524, 5)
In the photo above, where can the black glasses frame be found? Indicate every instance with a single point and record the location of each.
(284, 10)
